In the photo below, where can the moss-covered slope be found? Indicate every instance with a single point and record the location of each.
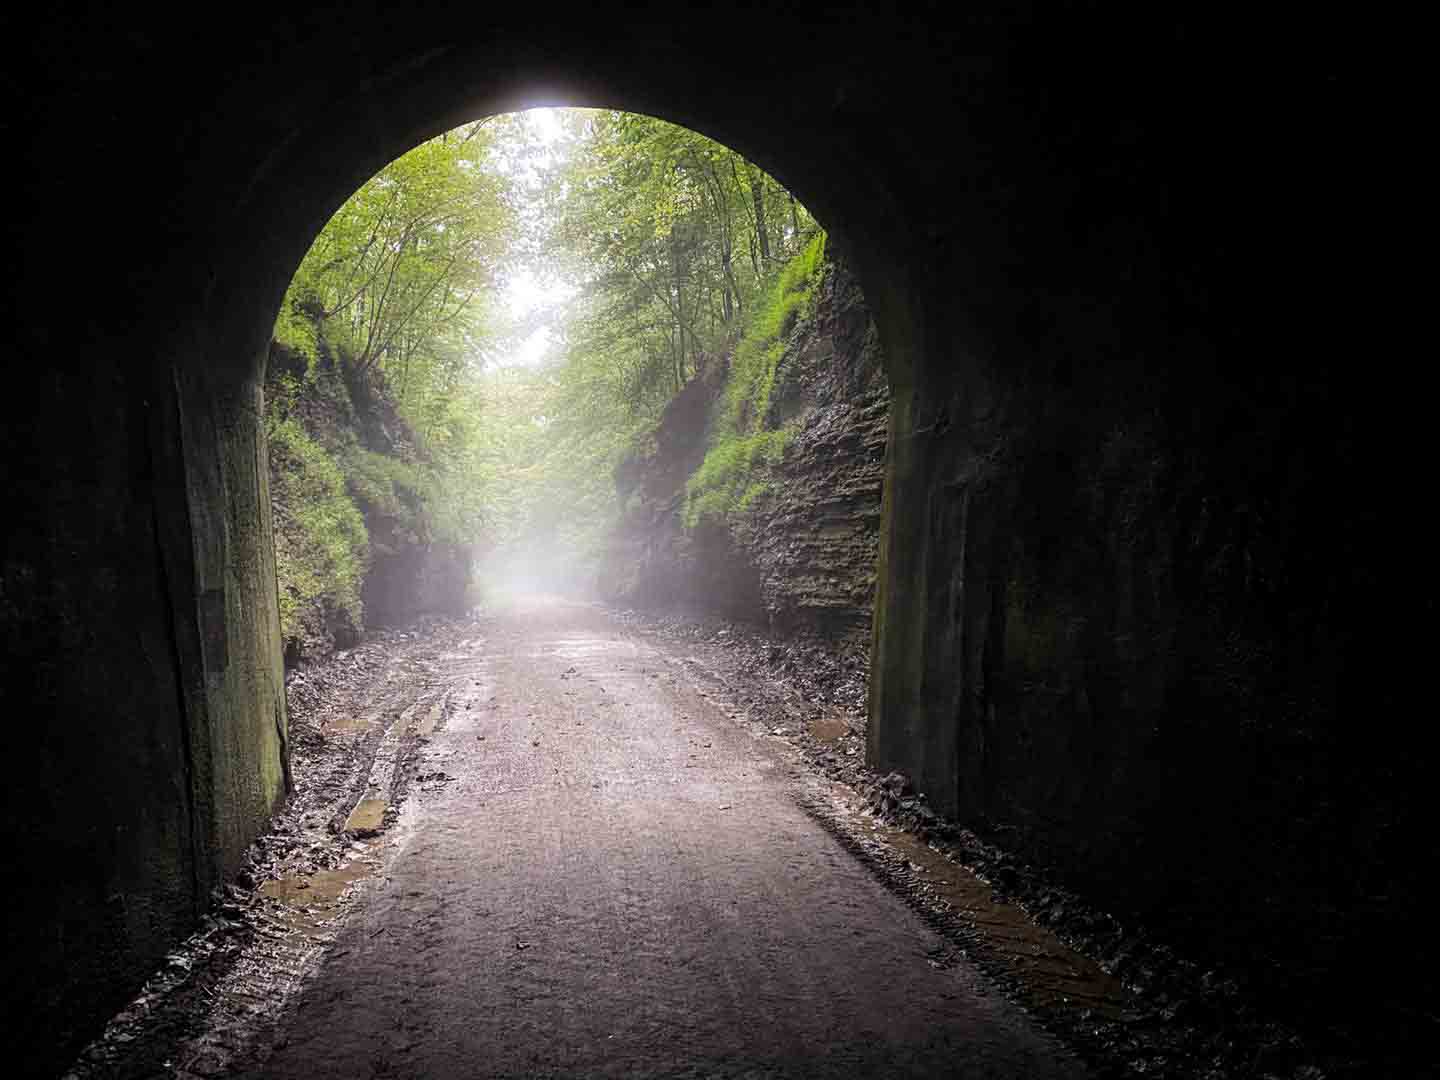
(759, 497)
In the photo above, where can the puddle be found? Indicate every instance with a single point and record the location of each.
(421, 718)
(368, 813)
(425, 725)
(350, 725)
(829, 729)
(1052, 974)
(310, 901)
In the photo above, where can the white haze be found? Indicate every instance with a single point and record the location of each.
(526, 292)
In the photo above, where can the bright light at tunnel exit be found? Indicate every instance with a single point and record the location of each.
(524, 292)
(546, 124)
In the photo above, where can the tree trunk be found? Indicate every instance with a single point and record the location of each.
(727, 302)
(677, 274)
(757, 195)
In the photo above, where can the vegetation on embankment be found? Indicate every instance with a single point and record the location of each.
(377, 474)
(746, 439)
(321, 543)
(687, 264)
(409, 423)
(759, 498)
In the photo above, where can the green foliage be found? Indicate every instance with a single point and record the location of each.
(390, 302)
(725, 481)
(554, 453)
(389, 486)
(670, 236)
(675, 244)
(296, 331)
(396, 280)
(321, 544)
(743, 445)
(757, 356)
(390, 403)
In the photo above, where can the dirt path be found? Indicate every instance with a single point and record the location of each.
(561, 841)
(599, 873)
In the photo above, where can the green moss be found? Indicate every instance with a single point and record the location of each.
(743, 444)
(388, 484)
(296, 330)
(726, 480)
(784, 301)
(321, 545)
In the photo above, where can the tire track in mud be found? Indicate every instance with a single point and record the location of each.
(214, 1007)
(227, 1013)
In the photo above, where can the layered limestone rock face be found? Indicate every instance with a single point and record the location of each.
(814, 540)
(802, 555)
(416, 579)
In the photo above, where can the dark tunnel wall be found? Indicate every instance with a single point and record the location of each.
(1118, 591)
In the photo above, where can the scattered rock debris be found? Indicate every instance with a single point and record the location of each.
(356, 719)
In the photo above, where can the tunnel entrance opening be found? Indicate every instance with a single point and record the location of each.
(1115, 580)
(719, 399)
(720, 379)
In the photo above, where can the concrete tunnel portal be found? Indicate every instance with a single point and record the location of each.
(1101, 598)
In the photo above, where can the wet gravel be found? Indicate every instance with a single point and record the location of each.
(218, 1003)
(1182, 1017)
(217, 995)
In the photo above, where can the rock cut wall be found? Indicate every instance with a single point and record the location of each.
(814, 540)
(802, 556)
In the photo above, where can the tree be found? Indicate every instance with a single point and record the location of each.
(397, 278)
(646, 216)
(670, 240)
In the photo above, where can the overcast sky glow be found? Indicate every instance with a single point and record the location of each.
(524, 292)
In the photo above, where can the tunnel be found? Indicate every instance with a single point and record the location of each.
(1137, 552)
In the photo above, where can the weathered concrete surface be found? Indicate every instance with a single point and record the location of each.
(93, 711)
(612, 878)
(138, 618)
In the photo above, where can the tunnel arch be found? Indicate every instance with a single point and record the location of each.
(174, 728)
(1065, 221)
(328, 199)
(302, 182)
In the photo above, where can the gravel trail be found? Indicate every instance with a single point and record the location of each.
(599, 873)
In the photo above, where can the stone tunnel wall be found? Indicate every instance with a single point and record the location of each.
(139, 616)
(1130, 609)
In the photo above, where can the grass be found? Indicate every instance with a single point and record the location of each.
(321, 544)
(744, 446)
